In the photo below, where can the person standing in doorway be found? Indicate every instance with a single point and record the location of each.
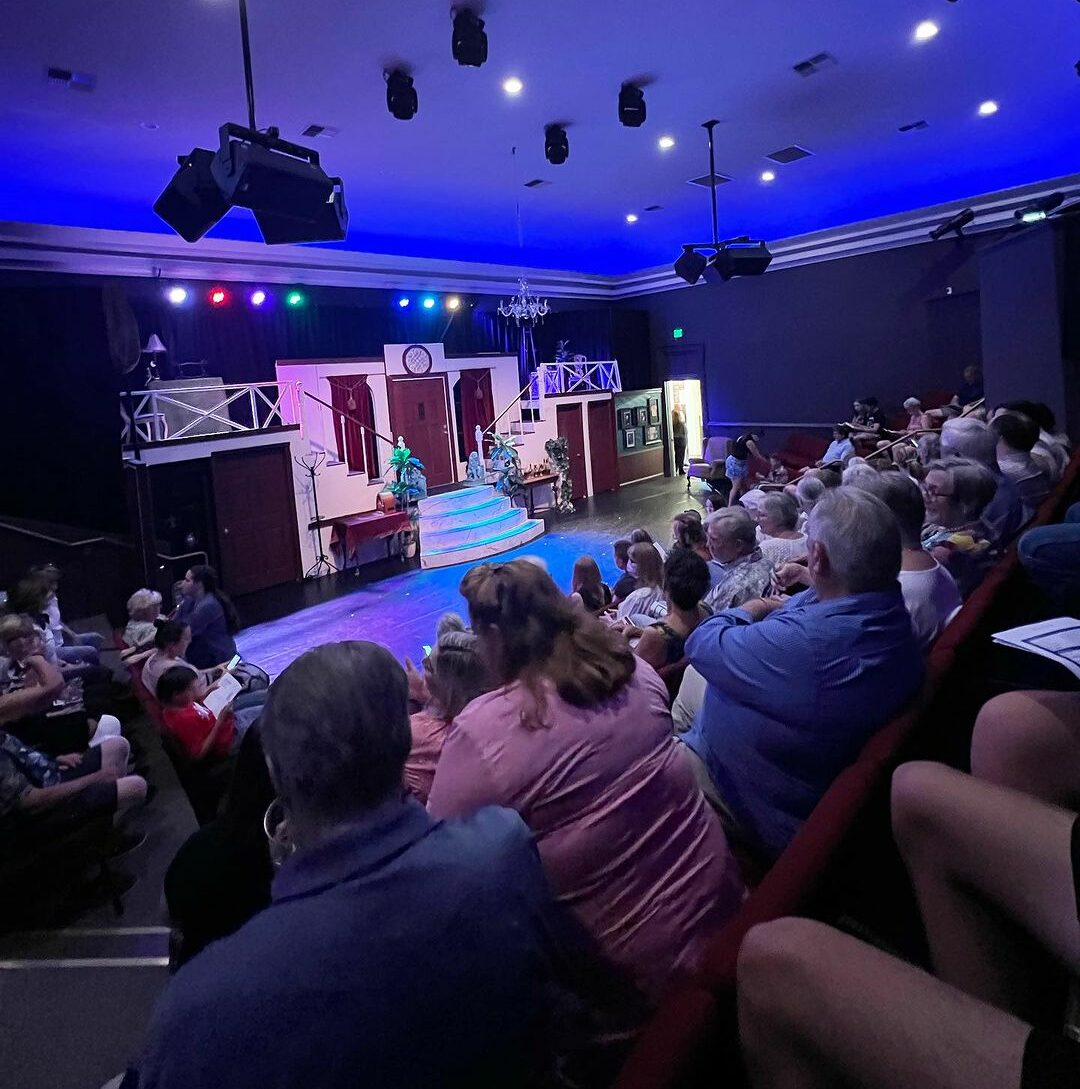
(678, 438)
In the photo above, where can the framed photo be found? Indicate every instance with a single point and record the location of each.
(652, 434)
(642, 416)
(630, 438)
(626, 418)
(654, 410)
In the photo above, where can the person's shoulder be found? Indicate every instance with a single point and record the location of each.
(490, 837)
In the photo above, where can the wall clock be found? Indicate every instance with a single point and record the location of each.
(416, 359)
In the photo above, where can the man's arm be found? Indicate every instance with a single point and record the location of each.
(36, 697)
(39, 799)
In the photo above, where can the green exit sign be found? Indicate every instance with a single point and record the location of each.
(677, 332)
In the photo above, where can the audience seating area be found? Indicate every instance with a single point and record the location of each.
(842, 866)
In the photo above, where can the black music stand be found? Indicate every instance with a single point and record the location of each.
(311, 463)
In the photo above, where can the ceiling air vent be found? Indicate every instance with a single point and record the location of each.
(327, 132)
(914, 126)
(789, 154)
(812, 65)
(73, 81)
(706, 180)
(537, 183)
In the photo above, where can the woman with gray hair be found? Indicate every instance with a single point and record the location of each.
(957, 491)
(779, 540)
(144, 607)
(455, 674)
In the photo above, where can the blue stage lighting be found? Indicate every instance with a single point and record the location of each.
(429, 302)
(403, 301)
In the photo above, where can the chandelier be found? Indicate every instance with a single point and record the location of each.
(524, 306)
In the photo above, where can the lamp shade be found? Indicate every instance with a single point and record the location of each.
(154, 344)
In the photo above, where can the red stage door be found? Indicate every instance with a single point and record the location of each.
(605, 472)
(568, 423)
(418, 413)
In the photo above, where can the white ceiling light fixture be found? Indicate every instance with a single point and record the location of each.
(926, 30)
(666, 143)
(631, 217)
(513, 86)
(988, 108)
(768, 176)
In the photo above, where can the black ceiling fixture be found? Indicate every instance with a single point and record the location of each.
(556, 145)
(631, 106)
(468, 43)
(401, 99)
(1038, 210)
(955, 225)
(291, 196)
(741, 256)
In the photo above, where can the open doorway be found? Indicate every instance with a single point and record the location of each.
(683, 395)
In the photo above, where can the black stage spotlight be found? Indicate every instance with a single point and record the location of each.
(690, 265)
(469, 43)
(955, 225)
(741, 257)
(1039, 209)
(556, 145)
(192, 202)
(631, 105)
(283, 184)
(401, 98)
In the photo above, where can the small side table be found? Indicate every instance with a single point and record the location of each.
(530, 483)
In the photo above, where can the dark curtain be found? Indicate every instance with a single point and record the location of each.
(350, 396)
(477, 408)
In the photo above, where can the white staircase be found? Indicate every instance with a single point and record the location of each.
(471, 524)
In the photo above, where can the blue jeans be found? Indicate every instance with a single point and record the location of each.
(1051, 554)
(78, 655)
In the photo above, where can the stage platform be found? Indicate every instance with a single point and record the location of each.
(472, 524)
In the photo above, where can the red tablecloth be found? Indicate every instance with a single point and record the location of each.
(353, 531)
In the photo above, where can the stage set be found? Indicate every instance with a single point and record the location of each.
(342, 463)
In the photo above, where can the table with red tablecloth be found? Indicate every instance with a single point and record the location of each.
(349, 532)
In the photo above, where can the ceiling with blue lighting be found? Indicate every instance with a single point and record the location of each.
(450, 184)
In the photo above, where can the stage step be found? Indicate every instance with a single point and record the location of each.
(481, 547)
(480, 514)
(455, 502)
(461, 534)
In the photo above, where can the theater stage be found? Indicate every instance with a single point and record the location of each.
(399, 608)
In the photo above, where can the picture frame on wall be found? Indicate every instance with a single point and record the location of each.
(626, 418)
(654, 410)
(642, 416)
(630, 438)
(652, 434)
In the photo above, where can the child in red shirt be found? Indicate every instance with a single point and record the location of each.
(199, 732)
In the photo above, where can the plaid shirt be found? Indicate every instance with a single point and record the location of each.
(747, 577)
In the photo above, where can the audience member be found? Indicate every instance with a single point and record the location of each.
(779, 540)
(221, 875)
(171, 642)
(857, 469)
(1051, 450)
(737, 465)
(867, 422)
(688, 531)
(930, 593)
(646, 603)
(967, 437)
(456, 674)
(840, 449)
(957, 491)
(144, 607)
(1051, 555)
(916, 419)
(587, 589)
(207, 610)
(1016, 436)
(807, 492)
(386, 925)
(626, 584)
(971, 388)
(30, 596)
(578, 740)
(686, 581)
(778, 473)
(71, 646)
(643, 536)
(794, 692)
(200, 732)
(746, 572)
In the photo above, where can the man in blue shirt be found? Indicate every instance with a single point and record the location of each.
(795, 690)
(841, 448)
(398, 950)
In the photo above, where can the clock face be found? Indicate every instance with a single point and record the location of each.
(417, 359)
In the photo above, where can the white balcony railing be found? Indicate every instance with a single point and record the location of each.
(591, 377)
(180, 412)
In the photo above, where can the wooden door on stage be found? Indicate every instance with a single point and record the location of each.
(602, 452)
(568, 424)
(256, 518)
(418, 412)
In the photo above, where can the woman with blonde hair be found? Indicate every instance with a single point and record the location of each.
(576, 737)
(587, 589)
(647, 567)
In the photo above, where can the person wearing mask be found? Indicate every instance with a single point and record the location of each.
(385, 923)
(930, 592)
(796, 688)
(626, 583)
(746, 572)
(646, 603)
(737, 466)
(1017, 435)
(577, 739)
(207, 610)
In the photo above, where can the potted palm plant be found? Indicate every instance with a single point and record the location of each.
(408, 485)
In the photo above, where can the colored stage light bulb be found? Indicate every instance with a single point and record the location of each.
(429, 302)
(403, 301)
(257, 297)
(294, 298)
(176, 295)
(218, 296)
(453, 303)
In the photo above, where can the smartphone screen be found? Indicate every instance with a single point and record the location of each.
(426, 649)
(234, 661)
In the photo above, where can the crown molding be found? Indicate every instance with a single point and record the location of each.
(93, 252)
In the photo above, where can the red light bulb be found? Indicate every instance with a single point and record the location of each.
(218, 296)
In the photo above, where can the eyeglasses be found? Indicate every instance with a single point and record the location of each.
(931, 491)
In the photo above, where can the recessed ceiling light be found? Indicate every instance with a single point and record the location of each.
(988, 108)
(666, 143)
(926, 30)
(631, 217)
(768, 175)
(513, 86)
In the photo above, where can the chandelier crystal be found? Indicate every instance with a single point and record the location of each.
(524, 306)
